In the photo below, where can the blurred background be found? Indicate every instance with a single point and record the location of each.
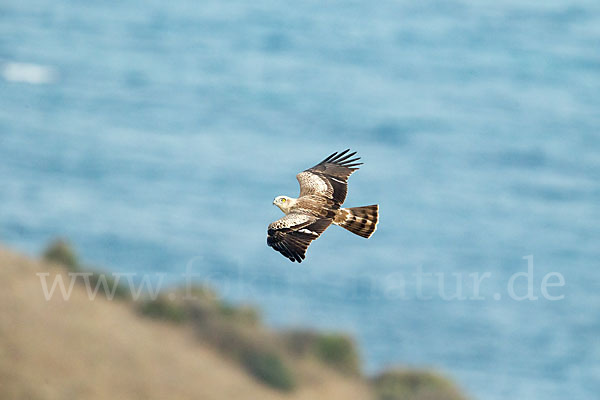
(152, 134)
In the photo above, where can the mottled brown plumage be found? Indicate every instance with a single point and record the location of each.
(323, 189)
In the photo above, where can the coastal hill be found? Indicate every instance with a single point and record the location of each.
(170, 349)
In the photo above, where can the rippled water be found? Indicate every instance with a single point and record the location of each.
(155, 133)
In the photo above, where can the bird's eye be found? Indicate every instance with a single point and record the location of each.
(283, 200)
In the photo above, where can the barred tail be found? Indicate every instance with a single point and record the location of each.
(358, 220)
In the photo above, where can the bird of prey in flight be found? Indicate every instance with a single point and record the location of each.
(323, 189)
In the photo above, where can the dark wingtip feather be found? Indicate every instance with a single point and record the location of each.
(332, 155)
(341, 158)
(342, 153)
(351, 160)
(353, 165)
(337, 156)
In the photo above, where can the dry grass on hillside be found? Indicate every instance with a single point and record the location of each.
(172, 347)
(106, 349)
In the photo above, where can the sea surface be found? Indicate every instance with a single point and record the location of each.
(154, 135)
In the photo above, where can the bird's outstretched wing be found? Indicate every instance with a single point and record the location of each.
(292, 234)
(329, 178)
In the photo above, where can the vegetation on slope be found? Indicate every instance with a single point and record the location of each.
(277, 359)
(414, 385)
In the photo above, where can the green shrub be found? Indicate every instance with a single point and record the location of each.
(226, 309)
(339, 352)
(414, 385)
(165, 309)
(60, 251)
(300, 342)
(269, 368)
(335, 350)
(234, 331)
(242, 314)
(120, 290)
(198, 293)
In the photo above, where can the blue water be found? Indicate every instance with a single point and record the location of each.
(154, 134)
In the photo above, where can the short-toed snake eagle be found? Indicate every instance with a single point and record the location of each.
(323, 189)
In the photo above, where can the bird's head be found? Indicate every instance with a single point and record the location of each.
(284, 203)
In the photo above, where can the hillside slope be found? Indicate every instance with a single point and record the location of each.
(104, 349)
